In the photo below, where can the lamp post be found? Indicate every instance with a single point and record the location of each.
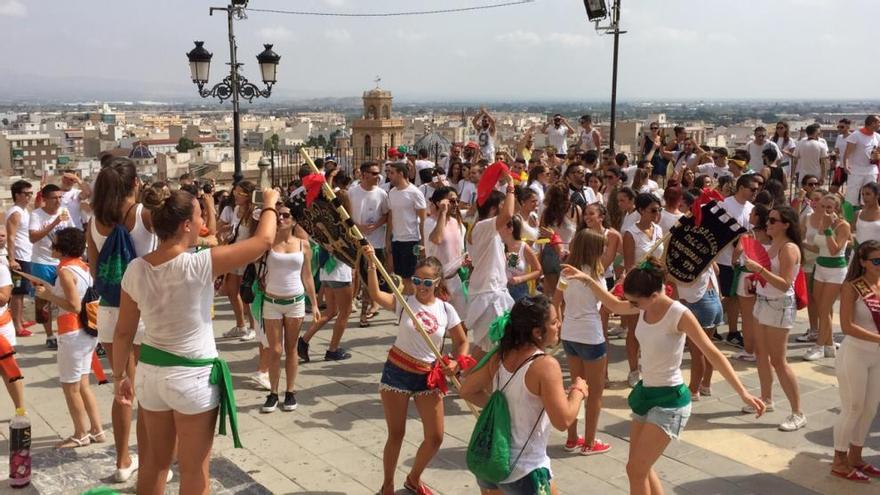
(234, 85)
(596, 11)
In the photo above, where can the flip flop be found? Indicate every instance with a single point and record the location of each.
(364, 324)
(854, 475)
(371, 315)
(98, 437)
(870, 470)
(76, 442)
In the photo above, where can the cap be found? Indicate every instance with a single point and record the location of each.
(471, 144)
(329, 158)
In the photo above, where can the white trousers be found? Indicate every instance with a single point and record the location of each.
(858, 376)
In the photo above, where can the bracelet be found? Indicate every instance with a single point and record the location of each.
(118, 378)
(829, 232)
(264, 210)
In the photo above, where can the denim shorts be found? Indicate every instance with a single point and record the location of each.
(403, 257)
(397, 379)
(550, 262)
(779, 312)
(20, 285)
(669, 419)
(518, 291)
(587, 352)
(522, 486)
(707, 310)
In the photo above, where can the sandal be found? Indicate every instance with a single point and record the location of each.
(870, 470)
(419, 489)
(98, 437)
(364, 324)
(371, 315)
(72, 442)
(853, 475)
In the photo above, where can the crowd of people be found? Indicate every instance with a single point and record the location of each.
(509, 253)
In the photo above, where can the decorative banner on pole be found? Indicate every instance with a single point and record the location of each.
(692, 247)
(326, 227)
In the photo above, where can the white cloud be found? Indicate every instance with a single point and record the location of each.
(570, 39)
(531, 38)
(12, 8)
(666, 34)
(275, 34)
(338, 35)
(722, 38)
(335, 3)
(409, 35)
(520, 37)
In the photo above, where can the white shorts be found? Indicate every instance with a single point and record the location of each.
(176, 388)
(854, 185)
(107, 318)
(272, 311)
(75, 355)
(744, 286)
(8, 331)
(829, 275)
(482, 310)
(778, 312)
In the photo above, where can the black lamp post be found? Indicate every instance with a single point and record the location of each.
(596, 11)
(234, 85)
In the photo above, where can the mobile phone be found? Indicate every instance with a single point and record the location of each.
(257, 197)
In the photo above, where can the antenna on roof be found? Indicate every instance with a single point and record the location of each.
(377, 81)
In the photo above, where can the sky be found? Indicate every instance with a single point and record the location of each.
(540, 51)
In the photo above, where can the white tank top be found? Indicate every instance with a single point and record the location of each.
(865, 230)
(581, 322)
(283, 270)
(143, 240)
(662, 345)
(820, 242)
(23, 246)
(520, 267)
(83, 281)
(643, 243)
(525, 410)
(771, 292)
(587, 140)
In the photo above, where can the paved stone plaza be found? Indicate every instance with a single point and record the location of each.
(333, 443)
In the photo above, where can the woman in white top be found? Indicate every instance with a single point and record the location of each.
(828, 236)
(775, 311)
(596, 219)
(583, 340)
(75, 346)
(638, 241)
(534, 391)
(445, 231)
(745, 285)
(236, 224)
(660, 401)
(286, 283)
(172, 290)
(115, 203)
(527, 211)
(559, 222)
(858, 363)
(409, 366)
(539, 179)
(522, 263)
(867, 224)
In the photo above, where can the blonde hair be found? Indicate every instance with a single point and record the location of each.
(587, 248)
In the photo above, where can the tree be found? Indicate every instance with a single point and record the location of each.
(185, 144)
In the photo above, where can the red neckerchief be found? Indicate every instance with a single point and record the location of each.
(870, 298)
(866, 131)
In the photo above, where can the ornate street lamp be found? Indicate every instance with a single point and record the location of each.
(234, 85)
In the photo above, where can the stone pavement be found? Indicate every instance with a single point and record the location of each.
(332, 444)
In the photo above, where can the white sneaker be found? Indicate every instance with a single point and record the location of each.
(809, 336)
(234, 332)
(261, 379)
(830, 351)
(170, 476)
(745, 356)
(814, 353)
(794, 422)
(768, 407)
(634, 378)
(249, 335)
(124, 474)
(617, 332)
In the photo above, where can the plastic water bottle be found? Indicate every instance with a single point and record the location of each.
(19, 450)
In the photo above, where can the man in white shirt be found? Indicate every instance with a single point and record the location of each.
(811, 156)
(422, 163)
(719, 166)
(72, 198)
(18, 251)
(860, 145)
(407, 207)
(738, 207)
(557, 134)
(454, 153)
(580, 194)
(755, 148)
(485, 126)
(369, 211)
(590, 138)
(44, 222)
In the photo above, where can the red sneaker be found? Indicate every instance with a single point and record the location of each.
(24, 332)
(416, 490)
(28, 323)
(574, 445)
(870, 470)
(598, 447)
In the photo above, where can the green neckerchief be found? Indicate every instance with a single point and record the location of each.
(219, 376)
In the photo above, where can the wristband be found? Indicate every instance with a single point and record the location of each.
(264, 210)
(829, 232)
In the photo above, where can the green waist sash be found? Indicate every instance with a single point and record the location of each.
(284, 302)
(831, 262)
(219, 376)
(643, 398)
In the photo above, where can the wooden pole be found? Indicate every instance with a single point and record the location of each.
(358, 236)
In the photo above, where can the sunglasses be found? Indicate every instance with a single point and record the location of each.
(284, 216)
(654, 128)
(773, 221)
(874, 261)
(427, 282)
(370, 172)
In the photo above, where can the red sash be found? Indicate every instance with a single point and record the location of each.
(871, 300)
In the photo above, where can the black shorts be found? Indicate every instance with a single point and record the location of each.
(725, 280)
(20, 285)
(404, 257)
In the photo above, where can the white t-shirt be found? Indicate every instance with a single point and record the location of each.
(422, 165)
(650, 186)
(174, 299)
(809, 153)
(487, 253)
(341, 273)
(436, 318)
(581, 322)
(713, 170)
(487, 143)
(756, 161)
(629, 220)
(840, 145)
(682, 161)
(368, 207)
(668, 220)
(740, 213)
(557, 138)
(404, 219)
(70, 200)
(785, 146)
(630, 174)
(693, 292)
(467, 192)
(42, 249)
(860, 161)
(23, 247)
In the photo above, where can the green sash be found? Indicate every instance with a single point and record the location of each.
(831, 262)
(219, 376)
(643, 398)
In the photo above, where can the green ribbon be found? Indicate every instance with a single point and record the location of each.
(831, 261)
(464, 275)
(219, 376)
(257, 304)
(499, 326)
(646, 265)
